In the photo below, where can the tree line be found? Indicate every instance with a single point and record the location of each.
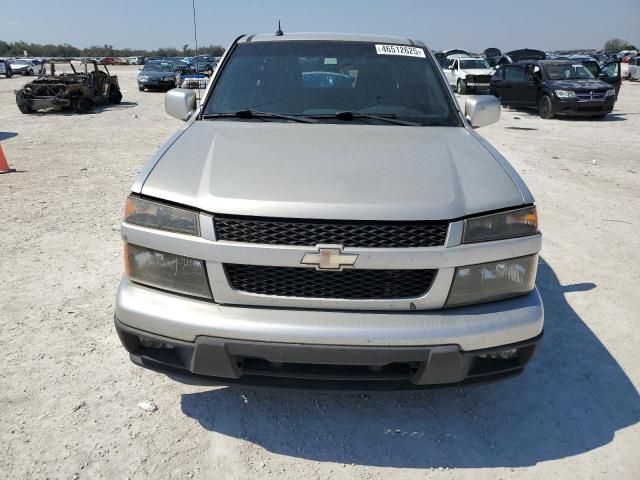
(614, 45)
(17, 49)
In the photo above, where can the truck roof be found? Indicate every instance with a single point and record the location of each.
(331, 37)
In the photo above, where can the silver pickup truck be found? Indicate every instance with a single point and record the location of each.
(328, 215)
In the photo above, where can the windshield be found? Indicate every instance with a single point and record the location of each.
(20, 61)
(324, 78)
(470, 64)
(568, 71)
(157, 67)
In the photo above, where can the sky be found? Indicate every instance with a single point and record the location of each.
(472, 25)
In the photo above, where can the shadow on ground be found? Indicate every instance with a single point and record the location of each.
(572, 399)
(117, 106)
(7, 135)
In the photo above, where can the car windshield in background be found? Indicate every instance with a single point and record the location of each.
(157, 67)
(471, 64)
(568, 71)
(320, 79)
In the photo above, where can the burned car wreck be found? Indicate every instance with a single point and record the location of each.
(80, 87)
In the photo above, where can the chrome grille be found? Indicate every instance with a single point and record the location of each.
(274, 231)
(590, 95)
(352, 284)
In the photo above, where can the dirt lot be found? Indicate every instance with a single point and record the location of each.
(69, 395)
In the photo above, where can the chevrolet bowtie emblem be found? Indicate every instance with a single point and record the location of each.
(329, 257)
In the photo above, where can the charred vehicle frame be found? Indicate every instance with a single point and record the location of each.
(78, 90)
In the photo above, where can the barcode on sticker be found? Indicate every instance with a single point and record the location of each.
(400, 50)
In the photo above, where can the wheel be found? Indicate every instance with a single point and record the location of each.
(462, 87)
(115, 96)
(23, 103)
(30, 72)
(545, 107)
(82, 105)
(25, 108)
(141, 88)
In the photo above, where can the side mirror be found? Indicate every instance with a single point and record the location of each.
(482, 110)
(180, 103)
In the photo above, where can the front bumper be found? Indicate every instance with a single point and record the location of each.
(583, 108)
(155, 83)
(242, 344)
(223, 361)
(474, 84)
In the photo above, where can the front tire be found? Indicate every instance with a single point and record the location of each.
(23, 104)
(462, 87)
(115, 96)
(30, 72)
(545, 107)
(82, 105)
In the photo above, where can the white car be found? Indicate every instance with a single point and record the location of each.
(634, 68)
(28, 66)
(468, 73)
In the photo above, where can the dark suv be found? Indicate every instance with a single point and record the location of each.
(553, 87)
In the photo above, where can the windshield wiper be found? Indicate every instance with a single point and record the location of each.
(354, 115)
(261, 115)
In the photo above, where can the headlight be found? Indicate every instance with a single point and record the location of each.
(493, 281)
(162, 217)
(610, 93)
(166, 271)
(565, 94)
(513, 223)
(144, 78)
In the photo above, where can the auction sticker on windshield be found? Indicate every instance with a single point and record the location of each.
(400, 50)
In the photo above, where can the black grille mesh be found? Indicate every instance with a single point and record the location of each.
(345, 284)
(348, 234)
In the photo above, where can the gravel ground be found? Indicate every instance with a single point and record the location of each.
(69, 395)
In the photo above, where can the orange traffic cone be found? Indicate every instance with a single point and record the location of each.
(4, 166)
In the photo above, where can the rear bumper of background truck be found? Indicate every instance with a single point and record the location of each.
(180, 335)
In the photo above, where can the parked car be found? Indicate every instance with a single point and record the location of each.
(157, 74)
(66, 87)
(634, 68)
(444, 57)
(493, 56)
(5, 68)
(608, 72)
(135, 60)
(113, 61)
(203, 64)
(359, 234)
(521, 54)
(554, 88)
(27, 66)
(468, 74)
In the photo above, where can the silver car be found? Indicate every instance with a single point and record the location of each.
(347, 227)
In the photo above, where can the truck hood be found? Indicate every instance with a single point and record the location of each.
(479, 71)
(331, 171)
(586, 84)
